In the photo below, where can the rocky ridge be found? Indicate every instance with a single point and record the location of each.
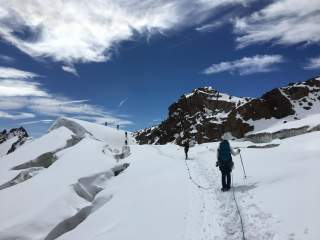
(20, 134)
(205, 114)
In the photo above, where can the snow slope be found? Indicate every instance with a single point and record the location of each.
(79, 197)
(310, 121)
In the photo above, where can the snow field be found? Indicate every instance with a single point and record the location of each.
(78, 196)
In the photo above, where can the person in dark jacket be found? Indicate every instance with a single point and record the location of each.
(186, 146)
(225, 162)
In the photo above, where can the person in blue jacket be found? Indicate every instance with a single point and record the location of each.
(224, 160)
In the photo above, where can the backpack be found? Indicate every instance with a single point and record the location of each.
(224, 152)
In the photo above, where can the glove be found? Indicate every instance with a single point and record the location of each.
(217, 164)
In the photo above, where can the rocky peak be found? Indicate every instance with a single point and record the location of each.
(19, 133)
(205, 114)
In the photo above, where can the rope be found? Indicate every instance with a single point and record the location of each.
(211, 187)
(238, 210)
(193, 181)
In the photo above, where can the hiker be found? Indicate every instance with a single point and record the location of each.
(126, 134)
(224, 160)
(186, 148)
(118, 127)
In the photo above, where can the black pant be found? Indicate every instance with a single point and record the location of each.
(226, 176)
(186, 154)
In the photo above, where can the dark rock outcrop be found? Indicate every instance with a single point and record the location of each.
(20, 132)
(45, 160)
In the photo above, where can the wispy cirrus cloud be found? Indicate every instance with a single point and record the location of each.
(284, 22)
(14, 87)
(210, 26)
(98, 26)
(13, 73)
(70, 69)
(122, 102)
(15, 82)
(313, 63)
(19, 115)
(247, 65)
(44, 121)
(6, 59)
(22, 96)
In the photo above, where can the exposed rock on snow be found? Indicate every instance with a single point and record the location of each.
(124, 154)
(89, 187)
(72, 222)
(44, 160)
(33, 167)
(120, 168)
(22, 176)
(117, 154)
(71, 142)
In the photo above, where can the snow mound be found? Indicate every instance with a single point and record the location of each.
(113, 137)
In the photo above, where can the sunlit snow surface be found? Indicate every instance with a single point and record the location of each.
(153, 198)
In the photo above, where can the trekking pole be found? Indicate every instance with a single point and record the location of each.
(245, 176)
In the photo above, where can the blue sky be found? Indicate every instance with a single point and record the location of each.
(126, 61)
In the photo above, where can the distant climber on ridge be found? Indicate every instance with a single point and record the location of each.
(224, 160)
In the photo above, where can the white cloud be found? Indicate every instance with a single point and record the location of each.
(15, 82)
(13, 73)
(210, 27)
(21, 115)
(58, 106)
(14, 87)
(19, 92)
(70, 69)
(247, 65)
(88, 31)
(45, 121)
(122, 102)
(313, 63)
(6, 59)
(285, 22)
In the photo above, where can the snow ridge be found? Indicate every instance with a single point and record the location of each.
(74, 127)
